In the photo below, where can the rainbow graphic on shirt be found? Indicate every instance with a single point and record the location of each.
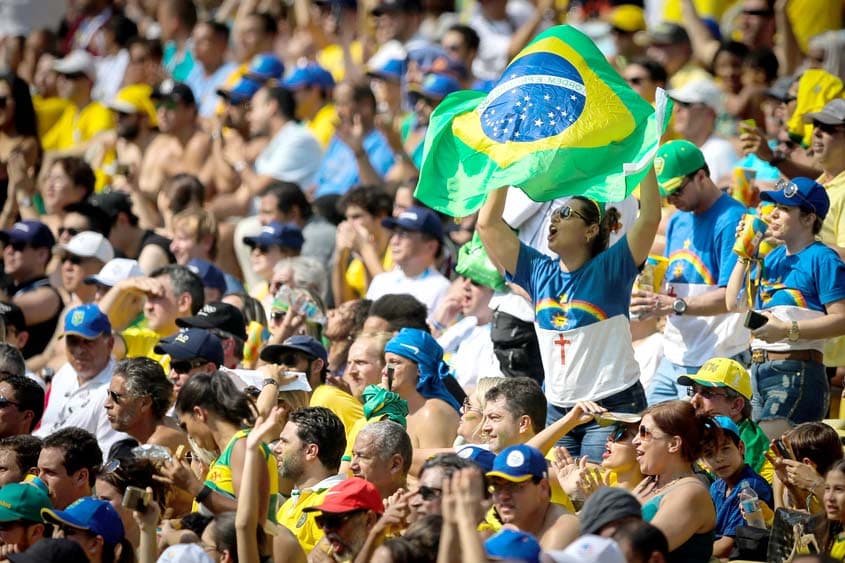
(685, 266)
(566, 313)
(782, 294)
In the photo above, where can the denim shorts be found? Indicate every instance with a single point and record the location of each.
(794, 390)
(589, 439)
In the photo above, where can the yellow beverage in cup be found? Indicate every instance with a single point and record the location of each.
(744, 190)
(747, 245)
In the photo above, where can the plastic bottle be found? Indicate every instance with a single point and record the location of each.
(750, 504)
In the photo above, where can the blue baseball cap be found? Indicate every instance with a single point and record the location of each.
(725, 423)
(242, 92)
(513, 545)
(34, 233)
(92, 514)
(264, 67)
(392, 70)
(519, 463)
(800, 192)
(211, 275)
(483, 458)
(310, 74)
(308, 345)
(416, 218)
(445, 64)
(87, 321)
(191, 343)
(435, 86)
(285, 235)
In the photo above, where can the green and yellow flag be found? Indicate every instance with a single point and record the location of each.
(560, 121)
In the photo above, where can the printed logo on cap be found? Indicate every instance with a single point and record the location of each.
(409, 215)
(22, 227)
(658, 165)
(182, 338)
(413, 349)
(207, 310)
(515, 459)
(465, 453)
(77, 318)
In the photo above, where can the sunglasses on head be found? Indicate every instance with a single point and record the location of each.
(185, 366)
(334, 521)
(790, 190)
(429, 493)
(4, 402)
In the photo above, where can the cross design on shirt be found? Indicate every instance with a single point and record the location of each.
(562, 342)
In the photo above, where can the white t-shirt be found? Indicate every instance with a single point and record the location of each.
(292, 155)
(470, 351)
(83, 406)
(492, 57)
(428, 287)
(720, 156)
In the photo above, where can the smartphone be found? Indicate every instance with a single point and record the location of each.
(754, 320)
(135, 498)
(782, 449)
(748, 125)
(390, 378)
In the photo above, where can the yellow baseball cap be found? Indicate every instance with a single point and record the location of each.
(627, 17)
(721, 372)
(135, 99)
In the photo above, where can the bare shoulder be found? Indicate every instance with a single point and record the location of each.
(169, 437)
(435, 409)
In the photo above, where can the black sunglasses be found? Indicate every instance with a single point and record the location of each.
(620, 432)
(69, 230)
(74, 259)
(289, 359)
(565, 212)
(827, 128)
(4, 402)
(277, 316)
(115, 397)
(429, 493)
(334, 521)
(18, 246)
(761, 13)
(706, 392)
(75, 75)
(185, 366)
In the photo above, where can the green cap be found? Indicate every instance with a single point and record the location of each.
(22, 501)
(474, 263)
(676, 160)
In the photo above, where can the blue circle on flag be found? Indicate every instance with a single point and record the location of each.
(539, 96)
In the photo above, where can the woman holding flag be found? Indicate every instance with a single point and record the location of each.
(581, 303)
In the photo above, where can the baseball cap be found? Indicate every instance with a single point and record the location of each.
(589, 549)
(78, 61)
(483, 458)
(664, 33)
(704, 92)
(628, 18)
(448, 66)
(34, 233)
(50, 550)
(725, 423)
(350, 494)
(92, 514)
(608, 505)
(211, 275)
(435, 86)
(22, 501)
(675, 160)
(513, 545)
(243, 91)
(475, 264)
(833, 113)
(88, 244)
(191, 343)
(800, 192)
(416, 218)
(174, 92)
(386, 6)
(310, 74)
(219, 315)
(113, 203)
(299, 343)
(114, 271)
(277, 234)
(87, 321)
(135, 98)
(779, 90)
(721, 372)
(519, 463)
(264, 67)
(184, 553)
(391, 70)
(12, 315)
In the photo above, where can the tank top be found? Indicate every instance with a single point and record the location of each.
(41, 333)
(697, 549)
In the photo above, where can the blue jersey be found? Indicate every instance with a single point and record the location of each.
(338, 171)
(582, 322)
(728, 515)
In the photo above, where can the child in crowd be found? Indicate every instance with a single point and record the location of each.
(834, 507)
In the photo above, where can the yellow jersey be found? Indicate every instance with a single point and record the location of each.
(76, 126)
(292, 513)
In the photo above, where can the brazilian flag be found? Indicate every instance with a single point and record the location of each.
(560, 121)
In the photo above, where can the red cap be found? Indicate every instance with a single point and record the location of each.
(348, 495)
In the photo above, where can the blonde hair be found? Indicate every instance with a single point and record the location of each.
(296, 399)
(200, 224)
(483, 385)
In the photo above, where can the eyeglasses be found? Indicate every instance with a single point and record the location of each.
(467, 408)
(69, 231)
(334, 521)
(429, 493)
(4, 402)
(118, 397)
(790, 190)
(277, 316)
(185, 366)
(620, 432)
(706, 392)
(567, 211)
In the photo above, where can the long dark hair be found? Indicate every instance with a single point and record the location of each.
(608, 223)
(25, 119)
(678, 418)
(217, 393)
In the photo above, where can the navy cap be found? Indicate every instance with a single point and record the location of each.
(12, 315)
(800, 192)
(449, 66)
(310, 74)
(300, 343)
(219, 315)
(211, 275)
(392, 70)
(92, 514)
(49, 550)
(191, 343)
(483, 458)
(34, 233)
(435, 86)
(87, 321)
(243, 91)
(513, 545)
(396, 6)
(519, 463)
(174, 92)
(264, 67)
(286, 235)
(416, 218)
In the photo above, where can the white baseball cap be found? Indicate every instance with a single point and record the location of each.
(89, 245)
(77, 61)
(703, 91)
(589, 549)
(115, 271)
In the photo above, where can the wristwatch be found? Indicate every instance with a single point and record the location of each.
(679, 306)
(269, 381)
(793, 335)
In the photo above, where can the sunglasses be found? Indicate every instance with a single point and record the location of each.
(69, 231)
(185, 366)
(74, 76)
(334, 521)
(289, 359)
(74, 259)
(263, 248)
(3, 101)
(429, 493)
(827, 128)
(566, 212)
(4, 402)
(115, 397)
(680, 191)
(18, 246)
(760, 13)
(706, 392)
(620, 432)
(790, 190)
(169, 105)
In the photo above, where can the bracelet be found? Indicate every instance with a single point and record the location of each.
(269, 381)
(437, 325)
(204, 494)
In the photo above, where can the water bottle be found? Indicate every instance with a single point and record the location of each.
(750, 504)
